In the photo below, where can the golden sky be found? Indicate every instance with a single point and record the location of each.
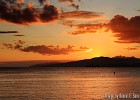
(68, 29)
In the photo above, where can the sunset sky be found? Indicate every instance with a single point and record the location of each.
(68, 29)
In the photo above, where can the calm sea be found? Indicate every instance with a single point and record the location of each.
(70, 84)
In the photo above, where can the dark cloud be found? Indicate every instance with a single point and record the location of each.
(8, 32)
(41, 1)
(17, 44)
(66, 1)
(43, 49)
(138, 10)
(75, 6)
(127, 41)
(19, 35)
(80, 15)
(55, 50)
(137, 46)
(126, 30)
(25, 15)
(49, 13)
(8, 46)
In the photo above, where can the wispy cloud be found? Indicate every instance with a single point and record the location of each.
(86, 28)
(82, 22)
(132, 48)
(77, 15)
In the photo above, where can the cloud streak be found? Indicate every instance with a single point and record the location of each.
(86, 28)
(77, 15)
(19, 35)
(8, 32)
(43, 49)
(82, 22)
(131, 48)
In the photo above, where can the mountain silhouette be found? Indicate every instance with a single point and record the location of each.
(118, 61)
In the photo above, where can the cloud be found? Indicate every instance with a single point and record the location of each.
(138, 10)
(75, 6)
(127, 41)
(82, 21)
(41, 1)
(55, 50)
(17, 44)
(72, 3)
(131, 48)
(83, 48)
(43, 49)
(137, 46)
(126, 30)
(8, 32)
(49, 13)
(19, 35)
(66, 0)
(76, 15)
(86, 28)
(18, 14)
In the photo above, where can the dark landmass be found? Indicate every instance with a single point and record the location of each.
(118, 61)
(20, 64)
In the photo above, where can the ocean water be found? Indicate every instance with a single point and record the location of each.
(70, 84)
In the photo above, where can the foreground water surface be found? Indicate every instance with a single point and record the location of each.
(70, 84)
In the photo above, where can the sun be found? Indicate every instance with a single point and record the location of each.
(97, 54)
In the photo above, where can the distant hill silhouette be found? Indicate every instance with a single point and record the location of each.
(118, 61)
